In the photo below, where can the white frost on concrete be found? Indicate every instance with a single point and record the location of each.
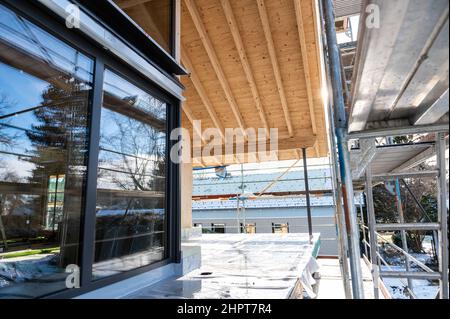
(243, 266)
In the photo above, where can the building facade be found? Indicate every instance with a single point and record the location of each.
(88, 195)
(282, 208)
(271, 215)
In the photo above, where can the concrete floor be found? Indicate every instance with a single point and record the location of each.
(243, 266)
(330, 284)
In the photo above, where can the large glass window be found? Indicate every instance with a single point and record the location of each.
(45, 89)
(130, 217)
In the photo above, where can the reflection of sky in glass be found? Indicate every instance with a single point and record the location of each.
(13, 84)
(128, 147)
(20, 91)
(34, 41)
(124, 90)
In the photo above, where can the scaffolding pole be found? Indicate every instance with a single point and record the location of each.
(343, 153)
(340, 222)
(442, 214)
(337, 198)
(308, 200)
(341, 231)
(361, 198)
(398, 198)
(371, 221)
(424, 212)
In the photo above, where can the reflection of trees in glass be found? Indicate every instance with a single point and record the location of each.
(14, 207)
(132, 159)
(141, 148)
(6, 138)
(59, 141)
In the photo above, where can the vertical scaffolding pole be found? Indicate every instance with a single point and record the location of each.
(343, 153)
(308, 200)
(341, 231)
(398, 198)
(442, 214)
(424, 212)
(372, 235)
(363, 222)
(340, 220)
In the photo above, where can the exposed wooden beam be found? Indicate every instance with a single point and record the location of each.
(195, 15)
(317, 148)
(177, 27)
(201, 90)
(156, 33)
(273, 59)
(191, 117)
(283, 144)
(228, 11)
(126, 4)
(306, 69)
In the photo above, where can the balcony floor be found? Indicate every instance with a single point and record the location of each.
(330, 284)
(244, 266)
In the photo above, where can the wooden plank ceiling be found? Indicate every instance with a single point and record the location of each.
(252, 64)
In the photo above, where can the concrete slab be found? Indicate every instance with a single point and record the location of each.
(242, 266)
(330, 284)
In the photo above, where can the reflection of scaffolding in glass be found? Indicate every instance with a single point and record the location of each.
(55, 201)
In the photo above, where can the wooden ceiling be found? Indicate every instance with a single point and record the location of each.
(252, 64)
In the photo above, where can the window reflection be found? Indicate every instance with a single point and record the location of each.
(45, 88)
(130, 223)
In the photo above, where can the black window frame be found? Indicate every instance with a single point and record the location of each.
(219, 226)
(54, 25)
(139, 39)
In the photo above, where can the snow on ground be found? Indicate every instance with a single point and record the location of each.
(423, 289)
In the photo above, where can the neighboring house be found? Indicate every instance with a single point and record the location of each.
(283, 210)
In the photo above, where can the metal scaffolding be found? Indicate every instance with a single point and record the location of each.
(440, 227)
(340, 129)
(364, 177)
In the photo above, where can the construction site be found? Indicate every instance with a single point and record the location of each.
(224, 149)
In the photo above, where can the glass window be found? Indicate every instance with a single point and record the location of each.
(280, 228)
(154, 17)
(130, 218)
(45, 94)
(249, 228)
(218, 228)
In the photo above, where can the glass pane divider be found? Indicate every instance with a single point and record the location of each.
(91, 181)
